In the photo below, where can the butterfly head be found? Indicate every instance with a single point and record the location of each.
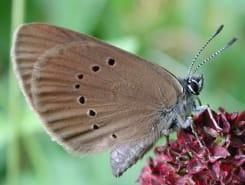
(195, 85)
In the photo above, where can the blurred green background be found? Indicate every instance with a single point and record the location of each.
(168, 32)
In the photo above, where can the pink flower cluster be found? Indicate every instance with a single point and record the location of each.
(221, 161)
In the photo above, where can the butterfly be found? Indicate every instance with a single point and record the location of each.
(91, 96)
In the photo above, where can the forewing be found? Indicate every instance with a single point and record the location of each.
(92, 96)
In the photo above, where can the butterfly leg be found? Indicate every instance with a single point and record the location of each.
(201, 109)
(167, 140)
(189, 123)
(196, 135)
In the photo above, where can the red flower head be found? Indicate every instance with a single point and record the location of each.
(221, 161)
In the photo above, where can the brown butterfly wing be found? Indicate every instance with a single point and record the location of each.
(31, 41)
(86, 109)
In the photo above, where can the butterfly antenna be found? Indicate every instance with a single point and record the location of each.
(202, 48)
(215, 54)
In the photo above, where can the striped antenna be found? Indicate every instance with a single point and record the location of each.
(214, 55)
(202, 48)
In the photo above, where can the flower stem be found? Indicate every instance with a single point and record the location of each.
(14, 107)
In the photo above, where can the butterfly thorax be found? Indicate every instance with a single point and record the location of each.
(178, 116)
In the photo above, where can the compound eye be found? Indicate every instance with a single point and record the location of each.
(193, 87)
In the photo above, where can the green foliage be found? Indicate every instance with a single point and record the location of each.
(166, 32)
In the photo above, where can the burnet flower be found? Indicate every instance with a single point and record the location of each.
(221, 161)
